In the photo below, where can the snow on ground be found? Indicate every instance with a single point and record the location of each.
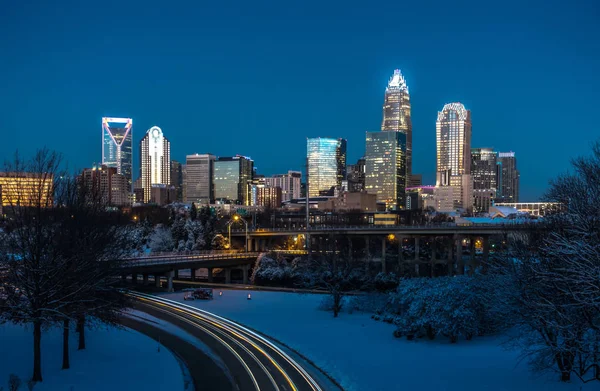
(362, 354)
(113, 360)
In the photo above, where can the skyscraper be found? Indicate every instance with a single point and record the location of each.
(326, 164)
(396, 113)
(112, 188)
(453, 134)
(232, 179)
(508, 177)
(117, 145)
(485, 178)
(289, 183)
(355, 174)
(198, 181)
(155, 160)
(385, 168)
(177, 178)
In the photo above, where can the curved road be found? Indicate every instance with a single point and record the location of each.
(254, 362)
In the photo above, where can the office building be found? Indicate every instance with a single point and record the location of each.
(484, 172)
(289, 183)
(162, 194)
(385, 168)
(104, 184)
(198, 182)
(326, 164)
(27, 189)
(155, 160)
(453, 135)
(232, 179)
(508, 178)
(177, 179)
(420, 197)
(117, 145)
(269, 197)
(396, 113)
(355, 175)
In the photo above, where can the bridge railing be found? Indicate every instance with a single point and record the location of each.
(175, 258)
(386, 227)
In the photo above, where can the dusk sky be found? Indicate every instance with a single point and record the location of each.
(256, 78)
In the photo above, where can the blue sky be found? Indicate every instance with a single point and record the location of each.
(257, 78)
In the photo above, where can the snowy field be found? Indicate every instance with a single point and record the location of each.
(362, 354)
(113, 360)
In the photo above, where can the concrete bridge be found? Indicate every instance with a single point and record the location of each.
(168, 265)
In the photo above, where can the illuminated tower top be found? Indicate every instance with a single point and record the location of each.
(117, 145)
(396, 112)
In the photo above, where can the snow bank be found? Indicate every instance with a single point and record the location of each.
(362, 354)
(113, 360)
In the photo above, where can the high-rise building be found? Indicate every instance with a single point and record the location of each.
(117, 145)
(198, 182)
(155, 160)
(508, 178)
(396, 113)
(385, 167)
(326, 164)
(289, 183)
(232, 179)
(355, 174)
(484, 173)
(453, 134)
(177, 179)
(105, 183)
(268, 196)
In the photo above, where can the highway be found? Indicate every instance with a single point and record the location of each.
(254, 362)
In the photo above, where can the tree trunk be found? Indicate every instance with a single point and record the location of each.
(81, 332)
(37, 351)
(65, 361)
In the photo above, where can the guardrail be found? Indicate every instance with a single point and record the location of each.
(175, 258)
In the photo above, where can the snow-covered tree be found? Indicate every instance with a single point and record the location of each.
(161, 240)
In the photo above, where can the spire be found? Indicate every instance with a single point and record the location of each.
(397, 81)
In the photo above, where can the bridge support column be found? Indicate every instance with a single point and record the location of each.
(368, 247)
(245, 270)
(157, 280)
(472, 255)
(193, 274)
(228, 275)
(417, 248)
(176, 274)
(134, 278)
(486, 253)
(383, 248)
(145, 279)
(400, 254)
(432, 262)
(459, 261)
(450, 259)
(210, 274)
(170, 281)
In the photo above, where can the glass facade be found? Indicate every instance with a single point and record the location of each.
(385, 167)
(232, 179)
(396, 113)
(326, 161)
(117, 145)
(485, 178)
(508, 177)
(453, 136)
(155, 160)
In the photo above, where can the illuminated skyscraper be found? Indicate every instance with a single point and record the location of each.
(289, 183)
(385, 168)
(396, 113)
(232, 179)
(116, 145)
(326, 164)
(453, 134)
(155, 160)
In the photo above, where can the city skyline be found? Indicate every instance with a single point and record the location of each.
(180, 75)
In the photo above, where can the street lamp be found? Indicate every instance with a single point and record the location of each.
(233, 220)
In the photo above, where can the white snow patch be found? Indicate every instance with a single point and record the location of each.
(114, 359)
(362, 354)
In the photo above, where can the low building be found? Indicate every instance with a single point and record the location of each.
(534, 208)
(163, 194)
(269, 197)
(420, 197)
(26, 189)
(359, 201)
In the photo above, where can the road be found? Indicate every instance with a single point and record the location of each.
(254, 362)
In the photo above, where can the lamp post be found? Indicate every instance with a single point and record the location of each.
(234, 219)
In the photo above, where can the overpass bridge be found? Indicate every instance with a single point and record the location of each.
(168, 264)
